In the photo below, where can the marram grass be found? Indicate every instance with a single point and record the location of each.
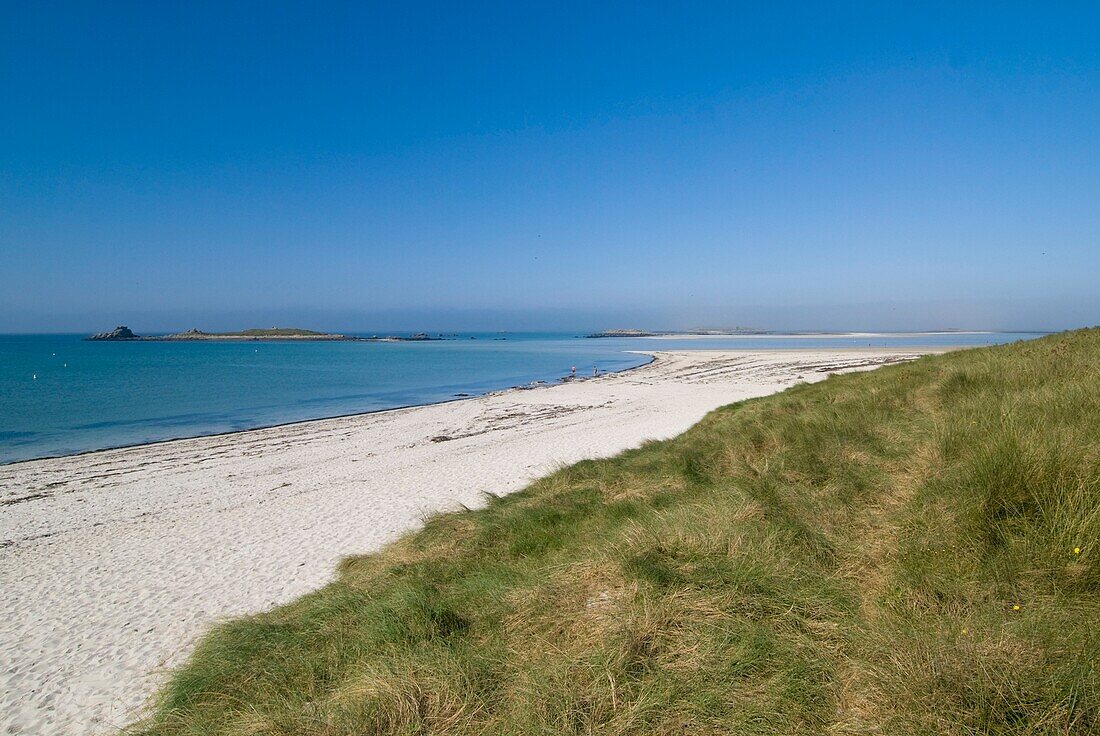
(914, 550)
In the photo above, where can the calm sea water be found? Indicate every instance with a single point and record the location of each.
(60, 394)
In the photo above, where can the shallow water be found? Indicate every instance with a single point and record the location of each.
(60, 394)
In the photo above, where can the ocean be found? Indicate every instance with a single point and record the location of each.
(60, 394)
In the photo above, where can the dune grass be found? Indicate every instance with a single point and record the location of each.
(907, 551)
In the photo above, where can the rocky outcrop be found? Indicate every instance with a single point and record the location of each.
(193, 334)
(122, 332)
(418, 337)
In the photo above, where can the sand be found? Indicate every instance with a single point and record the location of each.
(112, 563)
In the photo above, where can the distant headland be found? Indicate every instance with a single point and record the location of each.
(659, 333)
(123, 333)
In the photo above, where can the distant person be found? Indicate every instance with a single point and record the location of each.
(595, 371)
(573, 372)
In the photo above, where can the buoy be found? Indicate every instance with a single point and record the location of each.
(34, 376)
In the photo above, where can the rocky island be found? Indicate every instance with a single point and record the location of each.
(119, 333)
(125, 334)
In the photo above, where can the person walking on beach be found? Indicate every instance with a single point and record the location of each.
(595, 372)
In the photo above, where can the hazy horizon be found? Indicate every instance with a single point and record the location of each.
(871, 318)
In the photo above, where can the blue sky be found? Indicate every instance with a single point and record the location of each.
(550, 166)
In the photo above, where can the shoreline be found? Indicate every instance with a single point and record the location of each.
(817, 335)
(115, 562)
(652, 354)
(519, 387)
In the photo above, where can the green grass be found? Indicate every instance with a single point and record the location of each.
(880, 553)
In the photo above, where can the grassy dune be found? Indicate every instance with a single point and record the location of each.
(889, 552)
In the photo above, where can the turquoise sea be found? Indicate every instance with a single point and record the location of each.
(60, 394)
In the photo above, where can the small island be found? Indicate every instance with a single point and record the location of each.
(123, 333)
(623, 333)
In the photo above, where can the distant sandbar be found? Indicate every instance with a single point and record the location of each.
(125, 334)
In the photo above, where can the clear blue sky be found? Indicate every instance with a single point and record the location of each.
(551, 165)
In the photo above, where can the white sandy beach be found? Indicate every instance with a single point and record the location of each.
(113, 563)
